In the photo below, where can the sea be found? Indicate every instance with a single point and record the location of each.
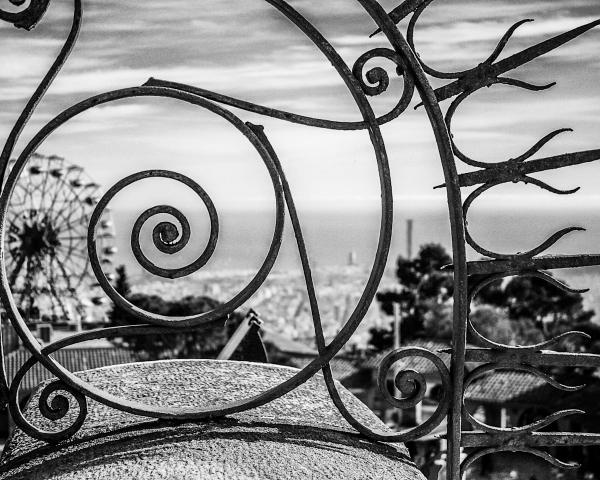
(338, 238)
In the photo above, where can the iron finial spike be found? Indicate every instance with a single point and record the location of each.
(542, 48)
(539, 145)
(544, 186)
(552, 240)
(504, 40)
(526, 85)
(511, 170)
(487, 73)
(547, 277)
(508, 267)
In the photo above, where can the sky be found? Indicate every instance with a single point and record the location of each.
(246, 49)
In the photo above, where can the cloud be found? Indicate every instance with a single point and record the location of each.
(250, 51)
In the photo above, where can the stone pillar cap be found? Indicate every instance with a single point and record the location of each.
(298, 436)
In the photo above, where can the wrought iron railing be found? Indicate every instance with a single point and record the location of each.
(469, 277)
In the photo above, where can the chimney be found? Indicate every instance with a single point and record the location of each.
(45, 332)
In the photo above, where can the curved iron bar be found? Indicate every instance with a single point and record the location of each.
(410, 38)
(134, 407)
(448, 119)
(558, 284)
(456, 223)
(409, 382)
(488, 73)
(355, 318)
(544, 186)
(477, 163)
(413, 385)
(4, 387)
(403, 436)
(314, 305)
(474, 289)
(380, 80)
(508, 256)
(466, 83)
(476, 455)
(483, 341)
(486, 70)
(60, 406)
(405, 380)
(504, 40)
(402, 11)
(513, 82)
(166, 236)
(532, 427)
(482, 73)
(27, 18)
(377, 76)
(512, 170)
(539, 145)
(71, 112)
(41, 90)
(120, 331)
(54, 410)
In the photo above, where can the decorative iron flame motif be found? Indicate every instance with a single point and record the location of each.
(502, 265)
(171, 238)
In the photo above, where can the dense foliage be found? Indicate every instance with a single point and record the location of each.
(422, 287)
(542, 310)
(196, 343)
(515, 311)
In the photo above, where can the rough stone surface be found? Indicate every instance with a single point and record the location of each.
(298, 436)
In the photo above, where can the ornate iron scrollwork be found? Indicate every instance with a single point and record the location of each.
(171, 238)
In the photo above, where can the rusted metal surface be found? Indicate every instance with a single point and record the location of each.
(469, 277)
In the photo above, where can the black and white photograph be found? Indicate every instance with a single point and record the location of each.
(300, 239)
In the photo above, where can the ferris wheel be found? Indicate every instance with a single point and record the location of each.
(47, 224)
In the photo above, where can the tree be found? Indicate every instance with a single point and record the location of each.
(123, 288)
(494, 323)
(519, 311)
(192, 343)
(438, 320)
(122, 282)
(422, 291)
(536, 304)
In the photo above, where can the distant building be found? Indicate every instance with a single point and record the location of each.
(352, 259)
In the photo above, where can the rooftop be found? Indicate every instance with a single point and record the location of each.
(418, 364)
(503, 386)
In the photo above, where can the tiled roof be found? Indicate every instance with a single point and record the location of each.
(73, 359)
(419, 364)
(285, 344)
(503, 386)
(341, 368)
(499, 386)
